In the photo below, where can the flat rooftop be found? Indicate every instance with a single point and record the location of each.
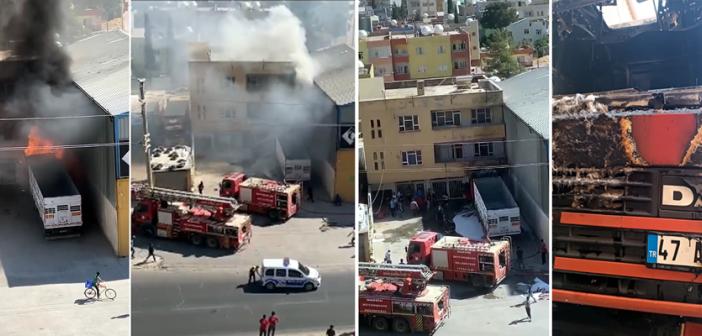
(494, 193)
(171, 158)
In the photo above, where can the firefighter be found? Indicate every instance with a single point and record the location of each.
(263, 326)
(272, 322)
(151, 253)
(330, 331)
(388, 259)
(201, 187)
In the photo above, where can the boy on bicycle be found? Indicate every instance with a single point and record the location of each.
(97, 281)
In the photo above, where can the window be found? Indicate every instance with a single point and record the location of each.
(483, 149)
(459, 46)
(422, 69)
(503, 259)
(492, 222)
(280, 273)
(401, 69)
(230, 80)
(377, 122)
(480, 116)
(445, 118)
(460, 64)
(294, 274)
(269, 272)
(372, 124)
(420, 51)
(378, 163)
(228, 114)
(408, 123)
(412, 158)
(304, 269)
(457, 151)
(443, 67)
(372, 134)
(440, 50)
(538, 32)
(380, 133)
(504, 218)
(526, 31)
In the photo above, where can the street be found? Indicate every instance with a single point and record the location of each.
(578, 320)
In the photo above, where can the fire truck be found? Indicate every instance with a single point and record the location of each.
(278, 201)
(174, 214)
(398, 298)
(481, 263)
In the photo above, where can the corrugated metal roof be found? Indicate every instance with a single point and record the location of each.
(100, 67)
(527, 96)
(338, 78)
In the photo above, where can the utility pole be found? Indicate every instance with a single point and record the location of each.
(147, 137)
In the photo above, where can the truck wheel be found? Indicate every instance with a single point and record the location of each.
(274, 216)
(400, 325)
(380, 324)
(196, 239)
(270, 286)
(149, 230)
(309, 286)
(212, 242)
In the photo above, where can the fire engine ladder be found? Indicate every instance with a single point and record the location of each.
(169, 195)
(420, 274)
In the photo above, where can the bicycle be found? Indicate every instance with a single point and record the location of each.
(91, 293)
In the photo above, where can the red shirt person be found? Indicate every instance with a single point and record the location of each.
(263, 326)
(272, 323)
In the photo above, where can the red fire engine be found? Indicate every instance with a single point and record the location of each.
(397, 298)
(277, 200)
(201, 219)
(483, 263)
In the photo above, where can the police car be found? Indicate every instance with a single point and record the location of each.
(289, 273)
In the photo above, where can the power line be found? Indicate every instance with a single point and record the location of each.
(54, 118)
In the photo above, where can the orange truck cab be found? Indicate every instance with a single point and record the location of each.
(279, 201)
(419, 248)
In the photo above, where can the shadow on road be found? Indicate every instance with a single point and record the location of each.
(182, 247)
(82, 302)
(120, 316)
(515, 322)
(257, 288)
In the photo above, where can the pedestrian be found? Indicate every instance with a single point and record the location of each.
(527, 306)
(201, 187)
(252, 274)
(402, 261)
(151, 253)
(330, 331)
(272, 322)
(388, 259)
(544, 252)
(337, 200)
(263, 326)
(400, 205)
(133, 237)
(520, 258)
(310, 194)
(393, 205)
(353, 237)
(414, 206)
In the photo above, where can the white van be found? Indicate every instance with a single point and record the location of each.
(289, 273)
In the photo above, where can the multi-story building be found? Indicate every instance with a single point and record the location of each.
(427, 134)
(528, 30)
(537, 8)
(472, 27)
(420, 7)
(403, 56)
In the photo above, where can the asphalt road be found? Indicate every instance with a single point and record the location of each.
(214, 302)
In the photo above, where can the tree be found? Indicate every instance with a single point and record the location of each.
(498, 15)
(450, 6)
(403, 9)
(395, 11)
(541, 46)
(501, 63)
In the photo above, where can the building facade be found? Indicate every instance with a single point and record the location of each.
(408, 56)
(528, 30)
(431, 135)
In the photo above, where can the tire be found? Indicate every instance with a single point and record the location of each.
(270, 286)
(197, 239)
(380, 324)
(90, 293)
(212, 242)
(110, 293)
(309, 287)
(400, 325)
(149, 230)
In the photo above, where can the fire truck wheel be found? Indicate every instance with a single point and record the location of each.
(400, 325)
(380, 323)
(212, 242)
(196, 239)
(270, 286)
(149, 230)
(309, 286)
(274, 216)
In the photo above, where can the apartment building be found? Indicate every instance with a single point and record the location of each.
(528, 30)
(397, 57)
(420, 7)
(431, 134)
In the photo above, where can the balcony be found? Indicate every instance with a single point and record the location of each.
(471, 153)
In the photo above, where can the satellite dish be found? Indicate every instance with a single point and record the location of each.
(438, 29)
(393, 22)
(362, 34)
(451, 17)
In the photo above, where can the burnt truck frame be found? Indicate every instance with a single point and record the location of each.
(56, 198)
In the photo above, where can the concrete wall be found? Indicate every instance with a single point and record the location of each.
(393, 142)
(529, 184)
(345, 174)
(430, 60)
(123, 220)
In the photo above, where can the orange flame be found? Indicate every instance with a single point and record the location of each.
(36, 145)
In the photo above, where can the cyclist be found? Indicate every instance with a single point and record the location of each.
(97, 281)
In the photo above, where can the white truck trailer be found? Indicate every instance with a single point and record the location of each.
(294, 161)
(497, 210)
(55, 196)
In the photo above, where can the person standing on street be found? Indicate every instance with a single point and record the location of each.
(272, 322)
(252, 274)
(263, 326)
(330, 331)
(151, 253)
(201, 187)
(388, 259)
(527, 306)
(393, 205)
(133, 237)
(544, 252)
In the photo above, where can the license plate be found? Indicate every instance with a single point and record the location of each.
(674, 251)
